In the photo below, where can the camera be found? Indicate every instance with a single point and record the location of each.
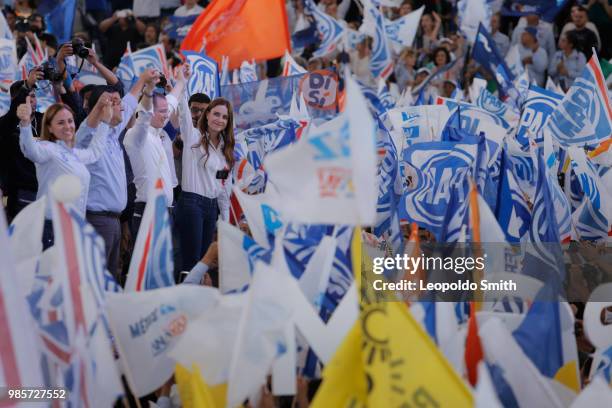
(50, 73)
(222, 174)
(78, 48)
(162, 82)
(22, 24)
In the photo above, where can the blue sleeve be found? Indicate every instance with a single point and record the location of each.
(196, 274)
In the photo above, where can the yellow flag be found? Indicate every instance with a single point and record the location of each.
(344, 382)
(387, 359)
(195, 393)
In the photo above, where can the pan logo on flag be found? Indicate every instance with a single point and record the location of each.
(319, 89)
(335, 182)
(328, 147)
(491, 103)
(271, 219)
(580, 108)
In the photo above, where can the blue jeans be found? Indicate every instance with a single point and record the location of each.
(196, 221)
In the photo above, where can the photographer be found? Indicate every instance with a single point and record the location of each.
(78, 49)
(19, 171)
(118, 29)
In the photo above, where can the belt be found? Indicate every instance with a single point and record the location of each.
(104, 214)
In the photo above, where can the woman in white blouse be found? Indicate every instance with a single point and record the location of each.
(54, 153)
(208, 158)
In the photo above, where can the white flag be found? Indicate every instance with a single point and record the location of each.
(147, 325)
(329, 175)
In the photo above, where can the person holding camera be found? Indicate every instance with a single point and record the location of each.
(108, 185)
(208, 157)
(54, 153)
(21, 184)
(118, 29)
(150, 151)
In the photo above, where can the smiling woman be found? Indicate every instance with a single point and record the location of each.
(54, 154)
(207, 162)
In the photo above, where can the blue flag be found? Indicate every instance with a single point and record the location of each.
(60, 19)
(486, 54)
(513, 212)
(204, 75)
(546, 9)
(178, 27)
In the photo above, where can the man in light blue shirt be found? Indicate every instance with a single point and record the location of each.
(108, 186)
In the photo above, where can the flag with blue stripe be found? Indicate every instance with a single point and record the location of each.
(152, 264)
(537, 108)
(381, 58)
(513, 212)
(204, 75)
(486, 54)
(430, 171)
(584, 116)
(60, 20)
(330, 30)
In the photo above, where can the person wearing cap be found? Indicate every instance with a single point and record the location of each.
(420, 89)
(19, 171)
(448, 88)
(533, 56)
(544, 33)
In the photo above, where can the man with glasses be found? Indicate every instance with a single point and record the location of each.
(198, 102)
(17, 172)
(108, 186)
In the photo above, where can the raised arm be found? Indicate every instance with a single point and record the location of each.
(31, 149)
(138, 134)
(108, 23)
(106, 73)
(99, 118)
(188, 133)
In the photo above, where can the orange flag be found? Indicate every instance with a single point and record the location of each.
(241, 29)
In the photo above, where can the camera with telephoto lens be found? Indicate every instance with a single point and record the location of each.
(50, 72)
(22, 25)
(162, 82)
(78, 48)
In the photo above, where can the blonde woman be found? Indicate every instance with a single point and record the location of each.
(54, 153)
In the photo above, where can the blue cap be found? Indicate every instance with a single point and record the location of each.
(533, 31)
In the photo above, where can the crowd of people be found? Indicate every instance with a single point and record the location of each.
(118, 141)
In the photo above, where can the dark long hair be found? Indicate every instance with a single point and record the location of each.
(227, 134)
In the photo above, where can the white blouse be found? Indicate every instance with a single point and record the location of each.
(199, 174)
(53, 159)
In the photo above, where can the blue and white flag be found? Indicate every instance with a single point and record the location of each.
(381, 59)
(8, 65)
(430, 172)
(486, 54)
(546, 9)
(60, 20)
(150, 57)
(5, 30)
(492, 104)
(125, 70)
(513, 211)
(204, 75)
(178, 27)
(471, 14)
(402, 31)
(389, 190)
(584, 116)
(263, 140)
(152, 264)
(538, 107)
(333, 167)
(248, 72)
(593, 217)
(291, 67)
(330, 30)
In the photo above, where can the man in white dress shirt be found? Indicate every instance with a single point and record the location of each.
(150, 153)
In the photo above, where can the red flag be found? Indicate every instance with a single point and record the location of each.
(240, 29)
(473, 348)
